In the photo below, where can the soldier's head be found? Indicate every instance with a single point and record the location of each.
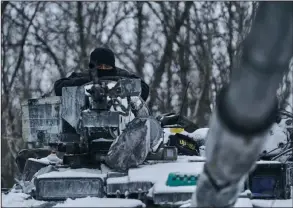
(102, 59)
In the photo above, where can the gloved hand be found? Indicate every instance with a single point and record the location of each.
(79, 79)
(97, 92)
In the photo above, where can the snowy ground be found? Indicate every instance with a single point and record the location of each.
(101, 202)
(273, 203)
(20, 200)
(241, 202)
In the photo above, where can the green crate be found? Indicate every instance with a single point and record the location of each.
(181, 179)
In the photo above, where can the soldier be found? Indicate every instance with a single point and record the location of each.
(102, 61)
(142, 135)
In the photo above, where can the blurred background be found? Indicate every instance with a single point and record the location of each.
(168, 44)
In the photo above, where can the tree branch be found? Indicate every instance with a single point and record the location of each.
(20, 57)
(167, 53)
(3, 7)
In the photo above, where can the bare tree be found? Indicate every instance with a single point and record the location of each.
(13, 54)
(3, 7)
(170, 38)
(168, 44)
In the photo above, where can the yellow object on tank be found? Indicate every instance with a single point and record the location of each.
(176, 130)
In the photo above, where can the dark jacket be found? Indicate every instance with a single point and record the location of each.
(78, 79)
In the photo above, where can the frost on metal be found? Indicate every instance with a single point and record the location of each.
(73, 100)
(130, 87)
(41, 119)
(171, 198)
(119, 184)
(67, 183)
(100, 119)
(101, 202)
(289, 174)
(69, 173)
(131, 148)
(63, 188)
(31, 167)
(123, 189)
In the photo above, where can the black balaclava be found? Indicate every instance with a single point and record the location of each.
(103, 56)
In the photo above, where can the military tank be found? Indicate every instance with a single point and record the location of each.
(68, 137)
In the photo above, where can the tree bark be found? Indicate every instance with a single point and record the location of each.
(167, 54)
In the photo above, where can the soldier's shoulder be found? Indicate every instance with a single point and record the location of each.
(124, 72)
(77, 74)
(120, 70)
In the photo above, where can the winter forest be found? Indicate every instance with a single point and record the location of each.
(168, 44)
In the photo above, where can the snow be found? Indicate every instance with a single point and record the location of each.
(19, 200)
(180, 159)
(159, 172)
(112, 84)
(267, 162)
(42, 160)
(276, 135)
(156, 146)
(116, 180)
(245, 193)
(53, 158)
(273, 203)
(241, 202)
(197, 134)
(50, 159)
(86, 88)
(101, 202)
(154, 172)
(105, 169)
(186, 204)
(82, 173)
(167, 133)
(202, 151)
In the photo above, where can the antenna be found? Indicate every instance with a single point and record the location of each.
(184, 98)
